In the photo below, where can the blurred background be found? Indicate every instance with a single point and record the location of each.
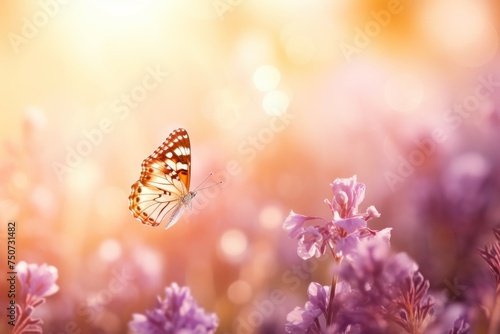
(280, 97)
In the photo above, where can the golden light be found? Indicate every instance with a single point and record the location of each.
(20, 180)
(109, 203)
(122, 7)
(461, 29)
(83, 177)
(227, 115)
(300, 47)
(36, 117)
(266, 78)
(275, 103)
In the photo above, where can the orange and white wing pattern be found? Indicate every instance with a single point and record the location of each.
(163, 187)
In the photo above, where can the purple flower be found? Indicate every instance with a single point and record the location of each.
(311, 243)
(347, 246)
(37, 281)
(461, 326)
(386, 289)
(312, 319)
(294, 223)
(347, 195)
(491, 254)
(305, 320)
(178, 313)
(346, 227)
(345, 237)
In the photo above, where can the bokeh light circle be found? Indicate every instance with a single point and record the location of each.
(461, 30)
(110, 250)
(266, 78)
(271, 217)
(233, 244)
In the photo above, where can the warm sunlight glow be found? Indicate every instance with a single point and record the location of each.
(463, 30)
(233, 244)
(266, 78)
(275, 103)
(404, 93)
(271, 217)
(110, 250)
(239, 292)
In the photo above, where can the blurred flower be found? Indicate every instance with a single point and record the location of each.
(378, 292)
(37, 281)
(461, 326)
(305, 320)
(470, 172)
(387, 290)
(491, 254)
(178, 313)
(453, 203)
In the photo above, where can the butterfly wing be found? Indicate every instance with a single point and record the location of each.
(164, 182)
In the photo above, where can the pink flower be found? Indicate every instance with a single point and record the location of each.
(371, 212)
(294, 223)
(347, 195)
(351, 224)
(347, 245)
(177, 313)
(311, 243)
(305, 320)
(340, 234)
(37, 281)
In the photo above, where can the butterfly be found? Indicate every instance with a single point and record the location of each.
(163, 187)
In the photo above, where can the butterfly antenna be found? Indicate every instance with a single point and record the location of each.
(213, 185)
(210, 186)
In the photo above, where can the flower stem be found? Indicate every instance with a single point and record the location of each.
(329, 309)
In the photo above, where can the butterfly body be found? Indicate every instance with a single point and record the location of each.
(163, 187)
